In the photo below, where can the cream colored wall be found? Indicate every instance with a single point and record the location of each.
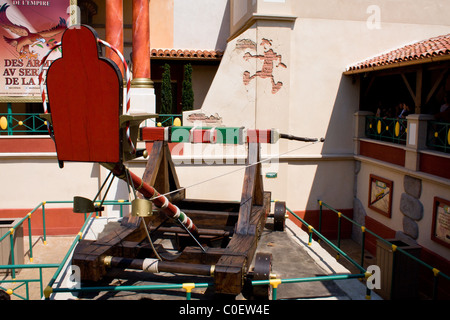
(161, 23)
(316, 99)
(227, 96)
(202, 77)
(431, 187)
(29, 180)
(200, 24)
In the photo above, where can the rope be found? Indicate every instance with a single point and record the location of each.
(236, 170)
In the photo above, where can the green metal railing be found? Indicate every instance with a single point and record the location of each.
(25, 282)
(22, 123)
(311, 230)
(32, 123)
(386, 129)
(435, 272)
(13, 266)
(188, 287)
(438, 136)
(164, 120)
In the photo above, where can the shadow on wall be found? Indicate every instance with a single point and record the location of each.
(224, 31)
(333, 181)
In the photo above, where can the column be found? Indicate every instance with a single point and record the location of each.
(114, 29)
(142, 92)
(416, 139)
(141, 43)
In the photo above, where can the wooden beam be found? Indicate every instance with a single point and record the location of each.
(418, 100)
(411, 92)
(436, 85)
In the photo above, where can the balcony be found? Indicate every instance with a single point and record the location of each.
(386, 129)
(417, 143)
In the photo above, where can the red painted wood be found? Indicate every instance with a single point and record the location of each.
(260, 136)
(391, 154)
(85, 98)
(19, 145)
(438, 166)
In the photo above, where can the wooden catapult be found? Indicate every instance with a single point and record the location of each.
(215, 239)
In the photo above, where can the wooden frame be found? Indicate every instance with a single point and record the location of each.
(440, 231)
(380, 195)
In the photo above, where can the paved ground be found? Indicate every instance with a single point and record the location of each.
(292, 258)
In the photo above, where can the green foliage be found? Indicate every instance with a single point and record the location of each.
(187, 95)
(166, 92)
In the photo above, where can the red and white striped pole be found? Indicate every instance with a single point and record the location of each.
(150, 193)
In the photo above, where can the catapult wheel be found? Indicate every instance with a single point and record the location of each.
(261, 271)
(279, 217)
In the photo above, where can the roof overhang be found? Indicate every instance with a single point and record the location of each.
(400, 64)
(186, 54)
(432, 50)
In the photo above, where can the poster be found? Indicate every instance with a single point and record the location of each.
(380, 195)
(441, 221)
(28, 30)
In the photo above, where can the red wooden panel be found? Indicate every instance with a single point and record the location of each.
(26, 145)
(85, 98)
(394, 155)
(434, 164)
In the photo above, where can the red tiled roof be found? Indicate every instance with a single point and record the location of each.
(437, 47)
(186, 54)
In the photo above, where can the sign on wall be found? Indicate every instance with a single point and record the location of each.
(441, 221)
(380, 195)
(28, 30)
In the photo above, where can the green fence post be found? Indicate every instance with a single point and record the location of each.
(11, 242)
(310, 228)
(188, 287)
(320, 216)
(435, 283)
(275, 283)
(363, 241)
(9, 119)
(394, 249)
(29, 237)
(43, 222)
(339, 234)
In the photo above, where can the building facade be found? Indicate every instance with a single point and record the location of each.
(290, 65)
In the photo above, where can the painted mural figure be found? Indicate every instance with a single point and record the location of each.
(269, 59)
(24, 37)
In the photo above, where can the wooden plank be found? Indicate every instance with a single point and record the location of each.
(212, 219)
(210, 205)
(252, 191)
(233, 264)
(85, 111)
(160, 172)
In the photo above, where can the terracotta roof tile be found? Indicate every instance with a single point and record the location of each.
(186, 54)
(433, 47)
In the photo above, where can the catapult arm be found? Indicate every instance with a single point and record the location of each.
(150, 193)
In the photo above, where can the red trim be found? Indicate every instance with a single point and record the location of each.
(329, 226)
(172, 146)
(382, 152)
(58, 221)
(435, 165)
(14, 145)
